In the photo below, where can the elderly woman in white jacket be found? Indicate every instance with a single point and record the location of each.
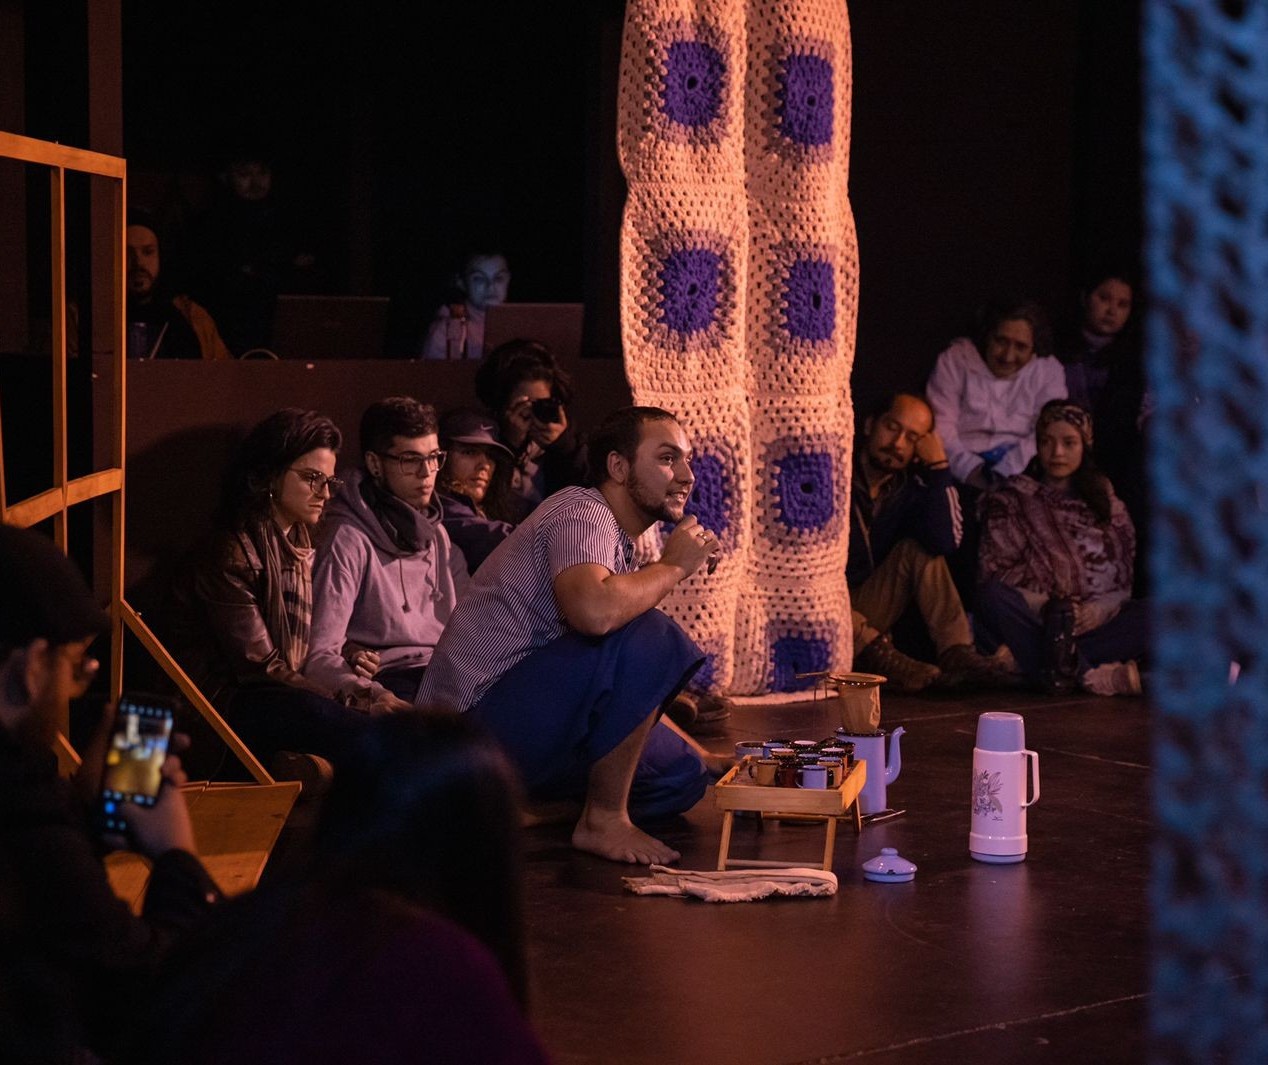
(986, 393)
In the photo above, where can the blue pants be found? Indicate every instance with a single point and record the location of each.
(566, 705)
(1003, 610)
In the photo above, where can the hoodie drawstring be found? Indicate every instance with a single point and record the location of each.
(400, 573)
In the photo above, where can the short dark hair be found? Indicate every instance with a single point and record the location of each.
(621, 432)
(519, 360)
(1022, 309)
(886, 402)
(265, 454)
(396, 416)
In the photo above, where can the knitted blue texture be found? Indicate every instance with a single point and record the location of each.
(803, 488)
(1206, 251)
(710, 499)
(810, 297)
(798, 654)
(805, 100)
(694, 79)
(689, 282)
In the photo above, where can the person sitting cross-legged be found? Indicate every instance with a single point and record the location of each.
(904, 519)
(1058, 549)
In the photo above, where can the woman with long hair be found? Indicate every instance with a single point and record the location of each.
(1056, 563)
(244, 604)
(397, 937)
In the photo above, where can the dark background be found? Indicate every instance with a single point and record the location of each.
(995, 146)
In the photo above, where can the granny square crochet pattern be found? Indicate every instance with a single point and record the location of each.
(739, 281)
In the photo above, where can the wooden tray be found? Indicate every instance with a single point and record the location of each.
(806, 804)
(730, 795)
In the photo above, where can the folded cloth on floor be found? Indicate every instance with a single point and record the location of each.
(733, 885)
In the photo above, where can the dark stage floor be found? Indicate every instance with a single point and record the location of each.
(1041, 961)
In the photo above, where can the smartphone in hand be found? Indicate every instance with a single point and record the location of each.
(134, 758)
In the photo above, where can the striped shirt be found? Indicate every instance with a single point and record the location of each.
(509, 609)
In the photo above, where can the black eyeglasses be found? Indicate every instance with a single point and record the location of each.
(413, 463)
(317, 481)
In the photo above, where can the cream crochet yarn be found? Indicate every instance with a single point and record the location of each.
(739, 278)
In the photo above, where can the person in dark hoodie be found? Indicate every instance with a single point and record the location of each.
(386, 577)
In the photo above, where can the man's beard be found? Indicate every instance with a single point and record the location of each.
(652, 508)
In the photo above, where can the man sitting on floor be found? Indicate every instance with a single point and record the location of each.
(386, 577)
(559, 649)
(904, 519)
(74, 959)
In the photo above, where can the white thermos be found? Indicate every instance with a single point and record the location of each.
(1001, 765)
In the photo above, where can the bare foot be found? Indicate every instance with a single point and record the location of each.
(615, 838)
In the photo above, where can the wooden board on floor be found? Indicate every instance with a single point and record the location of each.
(236, 827)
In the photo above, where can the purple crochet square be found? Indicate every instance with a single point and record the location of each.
(694, 77)
(689, 281)
(798, 654)
(710, 499)
(803, 488)
(810, 298)
(804, 95)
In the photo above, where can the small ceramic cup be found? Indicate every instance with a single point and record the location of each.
(836, 770)
(813, 777)
(746, 747)
(762, 771)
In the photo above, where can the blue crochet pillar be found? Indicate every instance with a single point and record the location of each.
(1206, 159)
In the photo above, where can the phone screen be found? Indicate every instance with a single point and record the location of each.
(134, 760)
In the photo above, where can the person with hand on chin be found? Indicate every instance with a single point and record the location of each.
(559, 649)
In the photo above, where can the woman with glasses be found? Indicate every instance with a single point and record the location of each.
(244, 613)
(386, 576)
(474, 487)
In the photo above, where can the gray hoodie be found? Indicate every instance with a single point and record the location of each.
(369, 590)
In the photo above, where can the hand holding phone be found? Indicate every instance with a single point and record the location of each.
(132, 775)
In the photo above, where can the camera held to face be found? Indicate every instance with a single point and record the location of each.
(549, 411)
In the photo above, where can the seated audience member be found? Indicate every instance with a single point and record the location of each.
(474, 484)
(1095, 336)
(905, 519)
(1057, 553)
(74, 959)
(399, 939)
(457, 330)
(162, 324)
(1102, 350)
(528, 392)
(249, 246)
(559, 650)
(986, 393)
(243, 612)
(386, 577)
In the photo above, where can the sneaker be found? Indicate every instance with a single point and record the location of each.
(902, 673)
(1113, 678)
(683, 710)
(314, 773)
(974, 668)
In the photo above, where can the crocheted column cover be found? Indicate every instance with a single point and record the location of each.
(1206, 184)
(739, 279)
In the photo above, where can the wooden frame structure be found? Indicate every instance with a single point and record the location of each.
(66, 492)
